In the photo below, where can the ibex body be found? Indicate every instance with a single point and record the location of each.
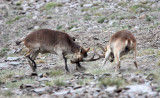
(50, 41)
(120, 44)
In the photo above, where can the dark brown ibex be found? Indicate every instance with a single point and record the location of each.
(56, 42)
(119, 44)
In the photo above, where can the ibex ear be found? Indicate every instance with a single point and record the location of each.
(87, 49)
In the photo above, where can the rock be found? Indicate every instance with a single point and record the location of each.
(31, 86)
(110, 89)
(40, 75)
(36, 27)
(61, 92)
(44, 79)
(12, 58)
(4, 65)
(77, 87)
(18, 77)
(131, 95)
(152, 94)
(14, 63)
(34, 17)
(40, 90)
(139, 88)
(87, 5)
(150, 77)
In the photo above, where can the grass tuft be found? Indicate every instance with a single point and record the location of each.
(59, 82)
(18, 83)
(148, 18)
(7, 93)
(84, 81)
(56, 73)
(101, 20)
(59, 27)
(111, 81)
(135, 7)
(146, 52)
(51, 5)
(3, 52)
(13, 20)
(158, 63)
(122, 4)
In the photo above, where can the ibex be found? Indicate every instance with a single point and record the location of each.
(119, 44)
(56, 42)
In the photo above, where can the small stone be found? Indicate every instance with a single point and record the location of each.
(29, 85)
(34, 17)
(150, 77)
(77, 87)
(4, 65)
(36, 27)
(87, 5)
(40, 90)
(110, 89)
(40, 75)
(61, 93)
(12, 58)
(14, 63)
(152, 94)
(44, 79)
(139, 88)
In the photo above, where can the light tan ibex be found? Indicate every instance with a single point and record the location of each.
(56, 42)
(119, 44)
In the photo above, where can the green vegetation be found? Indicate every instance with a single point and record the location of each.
(59, 27)
(7, 93)
(135, 7)
(97, 71)
(51, 5)
(158, 63)
(59, 82)
(18, 83)
(122, 4)
(148, 51)
(13, 20)
(148, 18)
(91, 9)
(87, 17)
(101, 20)
(18, 3)
(111, 81)
(3, 52)
(84, 81)
(70, 27)
(56, 73)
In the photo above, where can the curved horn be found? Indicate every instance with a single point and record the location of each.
(104, 50)
(85, 59)
(100, 55)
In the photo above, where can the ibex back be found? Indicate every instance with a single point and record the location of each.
(50, 41)
(120, 44)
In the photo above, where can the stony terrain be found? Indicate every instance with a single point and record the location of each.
(90, 22)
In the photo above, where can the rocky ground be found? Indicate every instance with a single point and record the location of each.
(90, 22)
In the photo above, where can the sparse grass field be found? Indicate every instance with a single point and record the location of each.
(83, 20)
(111, 82)
(11, 21)
(51, 5)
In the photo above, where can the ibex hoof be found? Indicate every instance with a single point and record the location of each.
(33, 74)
